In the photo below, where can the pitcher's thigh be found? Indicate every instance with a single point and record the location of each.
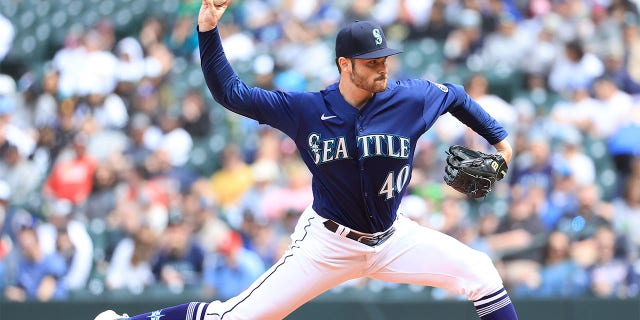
(427, 257)
(310, 267)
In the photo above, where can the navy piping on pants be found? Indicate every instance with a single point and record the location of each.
(294, 245)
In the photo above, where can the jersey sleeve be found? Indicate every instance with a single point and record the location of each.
(270, 107)
(469, 112)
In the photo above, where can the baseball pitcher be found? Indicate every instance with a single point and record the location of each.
(358, 138)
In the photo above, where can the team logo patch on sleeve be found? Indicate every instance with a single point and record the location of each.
(441, 86)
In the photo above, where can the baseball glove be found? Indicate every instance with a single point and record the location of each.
(473, 172)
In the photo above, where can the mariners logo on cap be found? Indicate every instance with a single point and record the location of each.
(354, 41)
(377, 36)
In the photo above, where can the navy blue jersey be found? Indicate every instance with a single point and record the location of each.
(361, 159)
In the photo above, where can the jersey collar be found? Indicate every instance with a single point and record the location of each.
(335, 99)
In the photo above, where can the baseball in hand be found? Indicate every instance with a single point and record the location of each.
(219, 3)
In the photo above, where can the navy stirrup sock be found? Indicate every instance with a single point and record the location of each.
(496, 306)
(187, 311)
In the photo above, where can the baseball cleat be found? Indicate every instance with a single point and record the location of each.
(110, 315)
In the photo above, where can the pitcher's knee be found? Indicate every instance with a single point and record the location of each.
(485, 277)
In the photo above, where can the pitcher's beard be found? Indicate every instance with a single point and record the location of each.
(380, 85)
(377, 85)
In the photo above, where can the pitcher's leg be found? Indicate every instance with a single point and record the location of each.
(284, 288)
(186, 311)
(419, 255)
(315, 262)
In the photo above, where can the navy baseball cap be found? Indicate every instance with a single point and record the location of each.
(362, 40)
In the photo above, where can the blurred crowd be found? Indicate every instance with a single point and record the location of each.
(120, 174)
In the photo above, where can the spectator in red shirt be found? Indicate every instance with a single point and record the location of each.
(72, 178)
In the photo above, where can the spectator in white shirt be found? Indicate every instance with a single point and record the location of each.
(576, 68)
(7, 33)
(69, 237)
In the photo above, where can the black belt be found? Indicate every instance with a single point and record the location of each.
(366, 238)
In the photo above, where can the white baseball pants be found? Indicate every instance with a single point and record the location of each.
(318, 260)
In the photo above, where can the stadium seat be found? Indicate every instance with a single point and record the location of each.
(9, 9)
(59, 18)
(76, 7)
(26, 20)
(122, 18)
